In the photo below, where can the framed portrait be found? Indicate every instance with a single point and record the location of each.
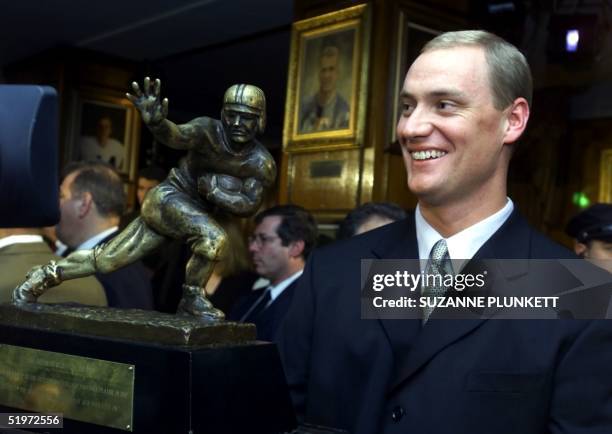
(605, 179)
(327, 86)
(105, 127)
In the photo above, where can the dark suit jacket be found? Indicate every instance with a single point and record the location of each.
(450, 376)
(232, 289)
(169, 277)
(128, 287)
(269, 320)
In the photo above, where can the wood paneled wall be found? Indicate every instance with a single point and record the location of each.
(370, 172)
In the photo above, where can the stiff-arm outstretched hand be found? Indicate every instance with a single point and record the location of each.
(147, 101)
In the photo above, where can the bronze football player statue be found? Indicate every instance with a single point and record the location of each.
(225, 168)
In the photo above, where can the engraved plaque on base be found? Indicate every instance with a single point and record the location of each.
(81, 388)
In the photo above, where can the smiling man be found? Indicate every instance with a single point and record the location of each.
(466, 101)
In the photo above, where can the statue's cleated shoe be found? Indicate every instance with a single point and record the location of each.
(195, 304)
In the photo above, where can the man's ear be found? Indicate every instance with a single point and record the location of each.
(580, 249)
(296, 248)
(517, 116)
(86, 204)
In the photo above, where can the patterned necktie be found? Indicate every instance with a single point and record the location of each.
(439, 264)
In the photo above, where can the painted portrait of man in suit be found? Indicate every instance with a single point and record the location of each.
(326, 84)
(102, 136)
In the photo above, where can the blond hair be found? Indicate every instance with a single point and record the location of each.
(509, 73)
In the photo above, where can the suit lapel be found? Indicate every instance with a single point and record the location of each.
(509, 242)
(279, 306)
(399, 243)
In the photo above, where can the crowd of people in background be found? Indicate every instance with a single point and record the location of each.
(255, 280)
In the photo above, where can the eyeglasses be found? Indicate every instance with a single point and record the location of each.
(260, 239)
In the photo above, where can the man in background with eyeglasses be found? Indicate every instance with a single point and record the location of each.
(282, 240)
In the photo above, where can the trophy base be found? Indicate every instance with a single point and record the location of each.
(114, 370)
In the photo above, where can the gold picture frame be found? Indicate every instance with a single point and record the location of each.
(105, 126)
(605, 179)
(327, 83)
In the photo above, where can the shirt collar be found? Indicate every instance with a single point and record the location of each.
(95, 240)
(277, 289)
(20, 239)
(463, 245)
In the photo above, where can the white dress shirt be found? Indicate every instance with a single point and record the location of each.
(20, 239)
(93, 241)
(463, 245)
(278, 289)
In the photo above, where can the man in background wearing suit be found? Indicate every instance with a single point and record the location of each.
(91, 203)
(466, 101)
(282, 240)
